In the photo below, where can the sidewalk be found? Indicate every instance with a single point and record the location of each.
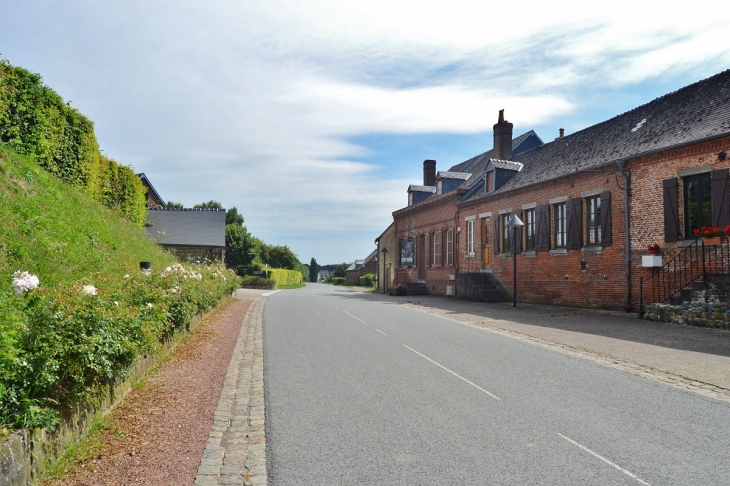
(236, 448)
(692, 358)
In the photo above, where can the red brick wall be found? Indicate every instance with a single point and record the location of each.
(556, 278)
(647, 205)
(426, 218)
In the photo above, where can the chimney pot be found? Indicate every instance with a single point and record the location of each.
(562, 132)
(502, 138)
(429, 172)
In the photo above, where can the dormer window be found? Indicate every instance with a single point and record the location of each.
(410, 199)
(440, 187)
(489, 182)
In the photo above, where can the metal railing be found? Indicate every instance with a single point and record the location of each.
(690, 265)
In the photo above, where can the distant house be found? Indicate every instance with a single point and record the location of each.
(323, 275)
(153, 198)
(388, 257)
(192, 234)
(362, 267)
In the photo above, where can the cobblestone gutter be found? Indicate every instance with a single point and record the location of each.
(236, 448)
(25, 454)
(687, 317)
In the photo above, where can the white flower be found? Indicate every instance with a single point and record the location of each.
(25, 364)
(126, 276)
(88, 290)
(24, 281)
(149, 305)
(116, 304)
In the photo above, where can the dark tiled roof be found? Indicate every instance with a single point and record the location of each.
(476, 165)
(696, 112)
(191, 227)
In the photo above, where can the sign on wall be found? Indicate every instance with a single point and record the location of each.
(406, 253)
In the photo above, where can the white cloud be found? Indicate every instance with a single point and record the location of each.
(256, 104)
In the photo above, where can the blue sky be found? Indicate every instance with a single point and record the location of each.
(312, 117)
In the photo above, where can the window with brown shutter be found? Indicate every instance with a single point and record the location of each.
(574, 222)
(542, 228)
(671, 209)
(720, 204)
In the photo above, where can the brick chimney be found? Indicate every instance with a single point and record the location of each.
(429, 172)
(502, 138)
(562, 132)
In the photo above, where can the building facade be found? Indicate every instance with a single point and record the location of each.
(591, 202)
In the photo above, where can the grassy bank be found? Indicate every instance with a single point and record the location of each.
(93, 311)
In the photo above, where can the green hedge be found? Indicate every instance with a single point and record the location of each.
(60, 344)
(34, 120)
(367, 280)
(285, 277)
(257, 282)
(338, 280)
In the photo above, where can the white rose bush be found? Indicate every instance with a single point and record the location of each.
(69, 341)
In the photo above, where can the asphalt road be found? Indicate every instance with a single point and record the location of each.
(370, 392)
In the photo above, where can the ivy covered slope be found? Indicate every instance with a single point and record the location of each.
(91, 312)
(35, 120)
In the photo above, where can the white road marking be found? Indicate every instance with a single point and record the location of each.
(270, 293)
(381, 332)
(628, 473)
(455, 374)
(353, 316)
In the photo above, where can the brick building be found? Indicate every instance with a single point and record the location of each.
(666, 158)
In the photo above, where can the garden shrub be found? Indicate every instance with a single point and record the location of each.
(61, 344)
(367, 280)
(254, 281)
(338, 280)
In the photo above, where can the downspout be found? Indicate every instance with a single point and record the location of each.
(627, 193)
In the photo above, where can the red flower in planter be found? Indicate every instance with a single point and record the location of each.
(710, 231)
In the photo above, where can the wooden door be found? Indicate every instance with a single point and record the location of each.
(486, 242)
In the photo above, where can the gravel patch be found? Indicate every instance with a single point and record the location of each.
(159, 431)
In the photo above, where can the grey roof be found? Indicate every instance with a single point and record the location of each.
(355, 266)
(476, 165)
(506, 164)
(453, 175)
(188, 227)
(417, 188)
(370, 256)
(697, 112)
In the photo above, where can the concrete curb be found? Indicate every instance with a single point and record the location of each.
(236, 448)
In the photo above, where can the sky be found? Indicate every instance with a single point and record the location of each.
(312, 117)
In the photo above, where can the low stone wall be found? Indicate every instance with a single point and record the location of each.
(26, 453)
(687, 317)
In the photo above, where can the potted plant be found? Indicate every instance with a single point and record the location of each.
(654, 249)
(397, 289)
(711, 235)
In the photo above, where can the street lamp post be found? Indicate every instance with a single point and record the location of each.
(514, 224)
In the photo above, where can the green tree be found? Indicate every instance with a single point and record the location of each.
(341, 270)
(209, 205)
(313, 270)
(278, 256)
(174, 205)
(304, 270)
(240, 250)
(232, 217)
